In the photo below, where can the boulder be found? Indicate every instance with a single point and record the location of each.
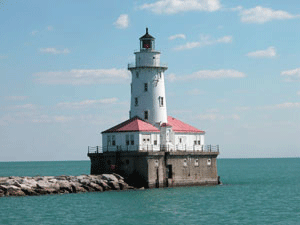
(76, 187)
(13, 191)
(29, 182)
(84, 181)
(119, 177)
(62, 177)
(64, 185)
(27, 190)
(114, 185)
(123, 185)
(104, 185)
(96, 187)
(109, 177)
(88, 188)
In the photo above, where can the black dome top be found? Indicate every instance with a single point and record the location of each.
(147, 36)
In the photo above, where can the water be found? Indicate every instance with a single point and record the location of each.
(255, 191)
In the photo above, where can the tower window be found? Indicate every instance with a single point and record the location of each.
(145, 87)
(146, 115)
(161, 101)
(136, 101)
(137, 74)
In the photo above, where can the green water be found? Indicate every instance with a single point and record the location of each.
(255, 191)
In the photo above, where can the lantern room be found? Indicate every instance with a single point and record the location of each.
(147, 42)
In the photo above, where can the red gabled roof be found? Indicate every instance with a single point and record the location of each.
(181, 127)
(131, 125)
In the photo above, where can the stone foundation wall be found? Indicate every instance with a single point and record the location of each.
(159, 169)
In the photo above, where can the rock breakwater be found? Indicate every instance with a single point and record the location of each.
(42, 185)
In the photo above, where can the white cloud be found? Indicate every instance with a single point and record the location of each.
(242, 108)
(268, 53)
(208, 74)
(215, 116)
(238, 8)
(177, 36)
(205, 40)
(84, 77)
(285, 105)
(16, 98)
(22, 107)
(86, 103)
(195, 91)
(34, 32)
(291, 75)
(262, 15)
(122, 22)
(177, 6)
(54, 51)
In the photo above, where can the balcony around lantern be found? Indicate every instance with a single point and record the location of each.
(161, 65)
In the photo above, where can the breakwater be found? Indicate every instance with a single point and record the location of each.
(43, 185)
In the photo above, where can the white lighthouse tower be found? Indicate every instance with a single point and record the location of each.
(148, 97)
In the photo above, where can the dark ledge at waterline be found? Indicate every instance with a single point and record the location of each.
(43, 185)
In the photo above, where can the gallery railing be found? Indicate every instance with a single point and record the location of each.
(151, 148)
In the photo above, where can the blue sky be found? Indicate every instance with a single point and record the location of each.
(234, 71)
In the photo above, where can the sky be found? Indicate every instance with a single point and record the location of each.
(233, 71)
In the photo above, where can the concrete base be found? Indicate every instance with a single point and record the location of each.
(159, 169)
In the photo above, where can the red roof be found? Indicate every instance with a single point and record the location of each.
(181, 127)
(132, 125)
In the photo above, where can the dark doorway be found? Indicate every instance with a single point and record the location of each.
(169, 171)
(157, 179)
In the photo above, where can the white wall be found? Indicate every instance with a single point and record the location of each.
(138, 137)
(187, 141)
(147, 58)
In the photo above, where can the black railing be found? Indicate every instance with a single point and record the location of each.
(151, 148)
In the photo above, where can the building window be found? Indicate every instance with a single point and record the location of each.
(196, 162)
(209, 162)
(136, 101)
(156, 163)
(137, 74)
(161, 101)
(113, 140)
(127, 161)
(146, 116)
(185, 163)
(145, 87)
(127, 139)
(131, 139)
(108, 140)
(199, 143)
(195, 142)
(155, 142)
(180, 140)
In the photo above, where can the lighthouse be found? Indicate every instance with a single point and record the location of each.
(148, 95)
(151, 147)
